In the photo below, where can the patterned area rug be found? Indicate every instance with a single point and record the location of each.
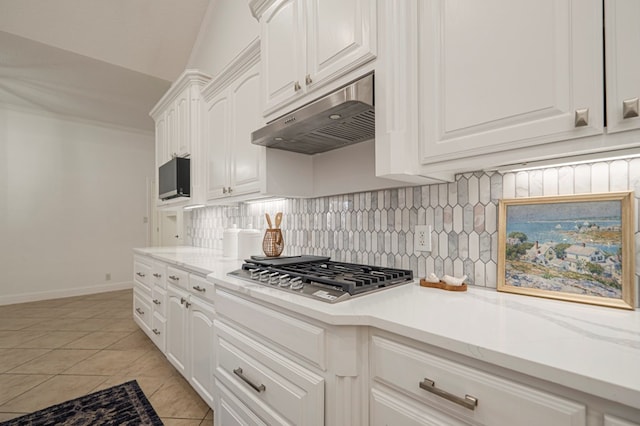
(124, 404)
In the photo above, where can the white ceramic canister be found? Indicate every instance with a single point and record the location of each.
(249, 243)
(230, 241)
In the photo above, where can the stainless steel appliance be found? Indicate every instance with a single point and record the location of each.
(320, 278)
(174, 179)
(341, 118)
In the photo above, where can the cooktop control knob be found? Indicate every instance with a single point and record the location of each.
(285, 280)
(273, 278)
(264, 276)
(296, 283)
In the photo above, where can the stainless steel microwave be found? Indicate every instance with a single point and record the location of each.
(174, 179)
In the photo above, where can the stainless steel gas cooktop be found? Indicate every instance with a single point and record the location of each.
(320, 278)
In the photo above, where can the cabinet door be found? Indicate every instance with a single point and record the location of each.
(181, 142)
(176, 328)
(170, 136)
(162, 147)
(216, 136)
(201, 318)
(246, 117)
(230, 411)
(610, 420)
(622, 34)
(341, 35)
(506, 74)
(282, 56)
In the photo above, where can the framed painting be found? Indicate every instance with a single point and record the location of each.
(576, 247)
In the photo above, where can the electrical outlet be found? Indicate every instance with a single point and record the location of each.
(422, 238)
(107, 276)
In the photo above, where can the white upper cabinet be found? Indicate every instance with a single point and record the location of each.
(623, 64)
(502, 82)
(307, 44)
(232, 112)
(502, 74)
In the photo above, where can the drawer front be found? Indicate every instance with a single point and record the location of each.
(159, 274)
(277, 389)
(142, 311)
(300, 337)
(159, 300)
(142, 274)
(230, 411)
(405, 368)
(158, 335)
(201, 287)
(178, 277)
(610, 420)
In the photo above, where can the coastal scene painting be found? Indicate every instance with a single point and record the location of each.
(575, 248)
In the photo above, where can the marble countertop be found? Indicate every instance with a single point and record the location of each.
(589, 348)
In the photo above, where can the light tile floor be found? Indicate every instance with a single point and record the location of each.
(55, 350)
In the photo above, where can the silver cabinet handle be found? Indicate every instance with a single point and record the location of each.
(182, 300)
(630, 108)
(297, 86)
(156, 332)
(140, 274)
(157, 302)
(468, 401)
(187, 304)
(229, 190)
(582, 117)
(173, 277)
(308, 79)
(140, 311)
(224, 190)
(257, 388)
(157, 275)
(198, 288)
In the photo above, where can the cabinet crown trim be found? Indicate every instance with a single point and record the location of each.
(259, 6)
(187, 78)
(244, 60)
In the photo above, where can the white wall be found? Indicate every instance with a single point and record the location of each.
(72, 202)
(227, 28)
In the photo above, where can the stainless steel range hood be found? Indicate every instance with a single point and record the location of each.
(344, 117)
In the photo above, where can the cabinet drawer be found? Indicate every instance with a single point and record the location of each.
(276, 388)
(159, 300)
(201, 287)
(142, 273)
(159, 274)
(178, 277)
(229, 410)
(158, 335)
(405, 368)
(142, 311)
(298, 336)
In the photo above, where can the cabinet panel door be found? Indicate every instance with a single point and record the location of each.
(341, 35)
(176, 329)
(494, 81)
(182, 144)
(162, 147)
(216, 135)
(231, 411)
(282, 41)
(246, 117)
(623, 62)
(610, 420)
(201, 348)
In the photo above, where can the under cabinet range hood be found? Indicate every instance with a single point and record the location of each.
(341, 118)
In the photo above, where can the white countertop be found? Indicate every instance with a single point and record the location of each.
(589, 348)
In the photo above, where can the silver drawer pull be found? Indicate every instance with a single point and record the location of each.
(468, 401)
(182, 300)
(198, 288)
(140, 274)
(238, 372)
(173, 277)
(157, 275)
(581, 117)
(156, 332)
(140, 311)
(157, 302)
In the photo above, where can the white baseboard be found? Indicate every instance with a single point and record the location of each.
(68, 292)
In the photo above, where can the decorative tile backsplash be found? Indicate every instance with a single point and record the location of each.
(377, 227)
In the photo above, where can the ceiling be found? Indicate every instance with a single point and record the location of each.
(109, 61)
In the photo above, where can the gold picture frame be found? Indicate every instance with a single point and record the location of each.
(578, 248)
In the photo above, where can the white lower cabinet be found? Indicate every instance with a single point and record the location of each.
(200, 336)
(230, 411)
(610, 420)
(142, 312)
(415, 387)
(176, 328)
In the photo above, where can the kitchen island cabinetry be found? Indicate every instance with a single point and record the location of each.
(149, 296)
(308, 44)
(507, 88)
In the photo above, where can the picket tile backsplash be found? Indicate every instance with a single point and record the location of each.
(377, 227)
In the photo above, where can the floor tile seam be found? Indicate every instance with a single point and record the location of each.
(28, 390)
